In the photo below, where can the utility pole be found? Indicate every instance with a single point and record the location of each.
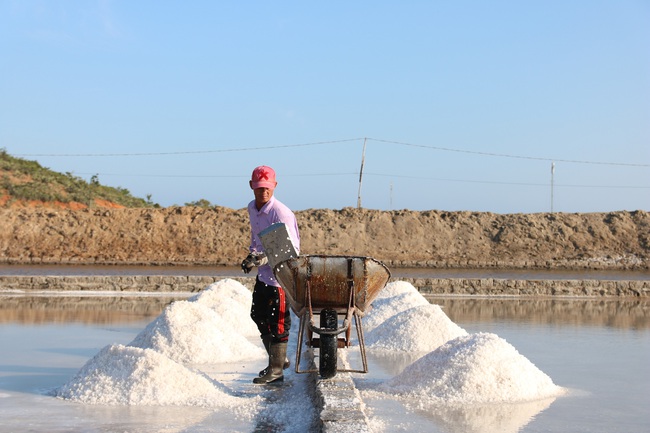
(363, 160)
(552, 183)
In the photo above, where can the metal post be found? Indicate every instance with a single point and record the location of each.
(363, 159)
(552, 183)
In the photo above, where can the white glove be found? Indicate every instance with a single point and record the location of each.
(252, 260)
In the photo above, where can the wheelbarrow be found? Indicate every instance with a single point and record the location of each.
(333, 287)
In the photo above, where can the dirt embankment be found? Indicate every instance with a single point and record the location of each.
(219, 236)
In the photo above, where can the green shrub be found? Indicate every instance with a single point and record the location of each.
(40, 183)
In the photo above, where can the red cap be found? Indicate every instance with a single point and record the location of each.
(263, 177)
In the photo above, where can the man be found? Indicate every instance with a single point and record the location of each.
(270, 309)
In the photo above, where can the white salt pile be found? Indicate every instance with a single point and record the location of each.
(189, 332)
(459, 368)
(207, 329)
(477, 368)
(418, 329)
(213, 327)
(121, 375)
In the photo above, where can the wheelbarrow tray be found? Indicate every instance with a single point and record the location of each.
(335, 285)
(330, 279)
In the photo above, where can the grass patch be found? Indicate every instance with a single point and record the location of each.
(22, 179)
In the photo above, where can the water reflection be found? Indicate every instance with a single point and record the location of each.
(151, 418)
(486, 418)
(616, 313)
(89, 310)
(419, 416)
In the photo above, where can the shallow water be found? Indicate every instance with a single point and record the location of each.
(599, 349)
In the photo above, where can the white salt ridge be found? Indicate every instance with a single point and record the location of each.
(122, 375)
(477, 368)
(418, 329)
(232, 301)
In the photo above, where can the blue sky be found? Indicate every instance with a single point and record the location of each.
(462, 105)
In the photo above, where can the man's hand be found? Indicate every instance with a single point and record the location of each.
(252, 260)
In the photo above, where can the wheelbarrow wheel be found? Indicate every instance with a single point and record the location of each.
(328, 344)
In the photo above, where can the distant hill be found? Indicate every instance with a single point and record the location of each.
(25, 183)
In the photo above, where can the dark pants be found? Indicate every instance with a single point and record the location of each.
(270, 311)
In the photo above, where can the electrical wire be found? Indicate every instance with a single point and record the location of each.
(189, 152)
(505, 155)
(318, 143)
(398, 176)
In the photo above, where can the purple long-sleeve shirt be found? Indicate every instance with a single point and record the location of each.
(274, 211)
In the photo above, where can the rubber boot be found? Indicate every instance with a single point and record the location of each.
(277, 356)
(266, 340)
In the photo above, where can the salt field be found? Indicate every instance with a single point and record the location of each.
(429, 371)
